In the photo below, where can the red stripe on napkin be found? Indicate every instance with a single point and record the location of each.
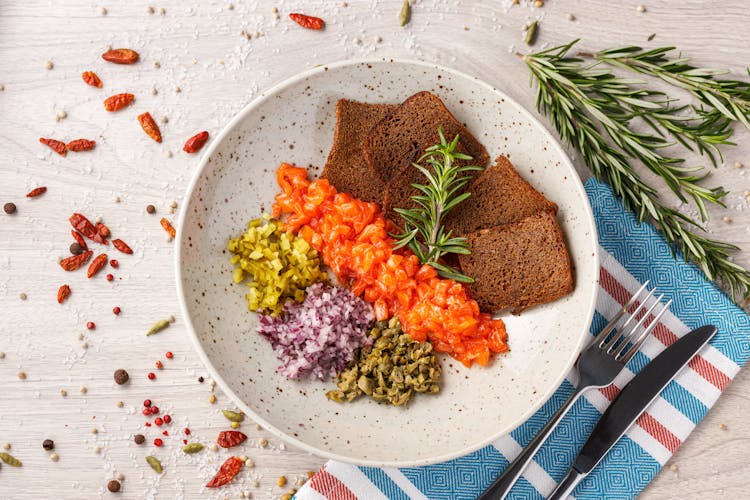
(330, 486)
(659, 432)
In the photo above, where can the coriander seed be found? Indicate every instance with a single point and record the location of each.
(9, 208)
(113, 486)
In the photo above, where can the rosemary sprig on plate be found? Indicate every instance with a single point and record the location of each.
(423, 225)
(596, 111)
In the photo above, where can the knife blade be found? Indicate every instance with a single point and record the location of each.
(632, 401)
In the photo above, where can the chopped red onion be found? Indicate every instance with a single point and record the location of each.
(320, 335)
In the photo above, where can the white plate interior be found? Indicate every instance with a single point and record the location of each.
(294, 122)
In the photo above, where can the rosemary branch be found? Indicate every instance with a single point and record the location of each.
(595, 111)
(423, 225)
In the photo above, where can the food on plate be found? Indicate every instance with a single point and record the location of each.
(278, 265)
(518, 265)
(499, 195)
(320, 335)
(400, 138)
(391, 370)
(352, 238)
(346, 168)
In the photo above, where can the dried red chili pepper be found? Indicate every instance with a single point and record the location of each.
(309, 22)
(63, 293)
(97, 264)
(57, 146)
(36, 192)
(86, 228)
(121, 56)
(122, 246)
(229, 439)
(77, 236)
(103, 230)
(168, 227)
(92, 79)
(230, 468)
(195, 143)
(149, 126)
(74, 262)
(79, 145)
(118, 101)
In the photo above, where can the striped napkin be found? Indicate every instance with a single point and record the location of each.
(631, 253)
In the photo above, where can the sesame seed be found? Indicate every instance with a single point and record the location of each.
(378, 39)
(97, 449)
(230, 6)
(49, 65)
(120, 476)
(80, 336)
(104, 11)
(154, 91)
(169, 153)
(157, 64)
(169, 239)
(2, 355)
(54, 457)
(173, 204)
(275, 10)
(2, 87)
(249, 463)
(641, 8)
(98, 219)
(22, 375)
(258, 427)
(177, 90)
(171, 319)
(344, 4)
(85, 345)
(356, 41)
(162, 11)
(164, 119)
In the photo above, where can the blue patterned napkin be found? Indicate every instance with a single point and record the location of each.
(631, 253)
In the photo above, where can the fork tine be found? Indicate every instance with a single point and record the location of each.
(630, 335)
(602, 336)
(608, 346)
(627, 356)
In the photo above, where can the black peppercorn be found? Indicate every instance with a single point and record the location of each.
(121, 376)
(48, 444)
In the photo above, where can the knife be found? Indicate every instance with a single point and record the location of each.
(633, 400)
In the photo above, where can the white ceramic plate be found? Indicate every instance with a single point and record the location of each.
(294, 122)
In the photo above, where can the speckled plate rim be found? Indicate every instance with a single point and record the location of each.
(202, 165)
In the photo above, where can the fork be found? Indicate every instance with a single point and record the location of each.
(597, 367)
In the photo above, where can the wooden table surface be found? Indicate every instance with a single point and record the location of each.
(197, 69)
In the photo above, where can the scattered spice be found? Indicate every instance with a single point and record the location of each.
(151, 375)
(121, 376)
(48, 444)
(83, 390)
(233, 416)
(117, 102)
(116, 310)
(113, 486)
(54, 457)
(167, 419)
(114, 263)
(155, 464)
(10, 460)
(263, 442)
(531, 33)
(158, 442)
(404, 15)
(149, 126)
(63, 293)
(57, 146)
(49, 65)
(169, 355)
(97, 264)
(36, 192)
(158, 326)
(122, 247)
(281, 481)
(150, 209)
(195, 143)
(139, 439)
(651, 36)
(22, 296)
(228, 470)
(79, 145)
(76, 261)
(9, 208)
(121, 56)
(86, 228)
(234, 425)
(79, 239)
(192, 448)
(76, 249)
(92, 79)
(230, 439)
(159, 364)
(110, 277)
(22, 375)
(168, 227)
(212, 399)
(309, 22)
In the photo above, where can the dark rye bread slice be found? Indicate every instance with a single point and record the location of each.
(346, 168)
(499, 195)
(518, 265)
(401, 137)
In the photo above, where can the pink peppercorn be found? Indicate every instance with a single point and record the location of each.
(186, 430)
(146, 403)
(165, 433)
(169, 355)
(158, 442)
(159, 364)
(151, 376)
(167, 419)
(90, 325)
(158, 422)
(110, 277)
(154, 410)
(146, 412)
(114, 263)
(116, 310)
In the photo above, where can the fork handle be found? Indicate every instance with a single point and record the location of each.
(508, 478)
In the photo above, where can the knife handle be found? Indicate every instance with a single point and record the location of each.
(567, 485)
(508, 478)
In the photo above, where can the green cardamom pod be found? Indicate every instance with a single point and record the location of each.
(158, 326)
(191, 448)
(405, 15)
(155, 464)
(531, 33)
(233, 416)
(10, 460)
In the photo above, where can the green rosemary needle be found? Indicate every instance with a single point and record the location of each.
(423, 225)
